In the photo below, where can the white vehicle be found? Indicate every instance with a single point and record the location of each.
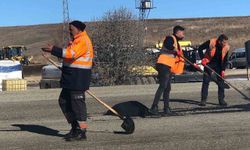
(238, 59)
(50, 77)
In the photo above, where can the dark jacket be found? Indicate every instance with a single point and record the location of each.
(216, 61)
(168, 45)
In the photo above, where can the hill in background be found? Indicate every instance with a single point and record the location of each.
(198, 30)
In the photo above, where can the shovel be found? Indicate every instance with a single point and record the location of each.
(245, 96)
(128, 124)
(226, 86)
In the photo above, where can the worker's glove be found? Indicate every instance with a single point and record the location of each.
(178, 53)
(222, 73)
(196, 66)
(204, 61)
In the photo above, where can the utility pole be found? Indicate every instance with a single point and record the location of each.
(66, 35)
(144, 7)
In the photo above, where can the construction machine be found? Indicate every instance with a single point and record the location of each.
(15, 53)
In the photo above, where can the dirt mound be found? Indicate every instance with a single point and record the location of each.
(197, 30)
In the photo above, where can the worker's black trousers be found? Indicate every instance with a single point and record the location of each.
(164, 76)
(73, 105)
(205, 85)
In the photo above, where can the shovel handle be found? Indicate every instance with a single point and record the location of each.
(104, 104)
(51, 61)
(88, 91)
(199, 69)
(188, 61)
(246, 97)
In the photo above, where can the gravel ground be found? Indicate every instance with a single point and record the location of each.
(32, 120)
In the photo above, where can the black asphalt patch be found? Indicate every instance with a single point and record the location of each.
(130, 108)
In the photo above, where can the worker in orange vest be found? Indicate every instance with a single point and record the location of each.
(216, 57)
(169, 61)
(75, 79)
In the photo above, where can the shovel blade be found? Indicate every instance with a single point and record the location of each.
(128, 125)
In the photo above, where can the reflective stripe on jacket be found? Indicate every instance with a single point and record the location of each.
(79, 53)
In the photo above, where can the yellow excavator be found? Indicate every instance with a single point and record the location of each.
(15, 53)
(183, 44)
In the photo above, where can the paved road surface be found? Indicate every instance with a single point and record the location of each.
(33, 120)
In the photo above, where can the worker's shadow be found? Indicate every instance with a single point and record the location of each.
(209, 109)
(216, 109)
(38, 129)
(186, 101)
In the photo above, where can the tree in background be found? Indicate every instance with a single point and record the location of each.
(117, 40)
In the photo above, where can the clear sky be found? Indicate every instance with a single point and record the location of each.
(30, 12)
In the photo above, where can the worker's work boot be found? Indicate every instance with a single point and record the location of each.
(222, 103)
(154, 110)
(203, 103)
(70, 134)
(74, 126)
(77, 135)
(167, 111)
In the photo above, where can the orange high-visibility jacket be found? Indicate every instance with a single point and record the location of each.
(212, 49)
(79, 53)
(176, 63)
